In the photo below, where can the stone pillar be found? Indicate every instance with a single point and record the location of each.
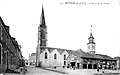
(87, 66)
(92, 66)
(81, 66)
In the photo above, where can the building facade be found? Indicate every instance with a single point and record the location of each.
(57, 57)
(118, 62)
(32, 59)
(10, 53)
(85, 60)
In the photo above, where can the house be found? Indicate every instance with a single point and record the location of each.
(32, 59)
(10, 52)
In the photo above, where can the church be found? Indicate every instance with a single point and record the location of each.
(57, 57)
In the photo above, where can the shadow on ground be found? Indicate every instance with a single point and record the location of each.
(12, 71)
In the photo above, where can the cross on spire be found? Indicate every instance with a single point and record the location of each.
(91, 32)
(91, 28)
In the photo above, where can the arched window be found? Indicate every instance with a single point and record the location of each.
(55, 56)
(64, 57)
(45, 55)
(64, 63)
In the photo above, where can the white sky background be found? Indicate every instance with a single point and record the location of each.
(68, 25)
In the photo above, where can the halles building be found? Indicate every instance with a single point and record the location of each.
(118, 62)
(84, 60)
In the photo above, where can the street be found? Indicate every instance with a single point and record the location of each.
(39, 71)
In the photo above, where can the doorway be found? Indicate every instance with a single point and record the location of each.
(84, 66)
(89, 66)
(72, 64)
(95, 66)
(78, 65)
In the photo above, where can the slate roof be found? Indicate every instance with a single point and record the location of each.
(117, 58)
(70, 52)
(50, 49)
(94, 56)
(104, 57)
(61, 50)
(82, 54)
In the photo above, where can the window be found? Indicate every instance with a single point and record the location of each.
(64, 57)
(45, 55)
(55, 56)
(64, 62)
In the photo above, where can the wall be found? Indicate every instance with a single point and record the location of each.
(9, 53)
(62, 58)
(54, 62)
(45, 62)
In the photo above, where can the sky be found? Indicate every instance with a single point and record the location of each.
(68, 23)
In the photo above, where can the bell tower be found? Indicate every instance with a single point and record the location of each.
(42, 33)
(91, 44)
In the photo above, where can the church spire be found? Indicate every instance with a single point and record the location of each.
(42, 36)
(42, 20)
(91, 38)
(91, 32)
(91, 44)
(42, 32)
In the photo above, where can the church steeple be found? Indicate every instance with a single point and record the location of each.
(91, 44)
(42, 37)
(42, 20)
(42, 33)
(91, 36)
(91, 39)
